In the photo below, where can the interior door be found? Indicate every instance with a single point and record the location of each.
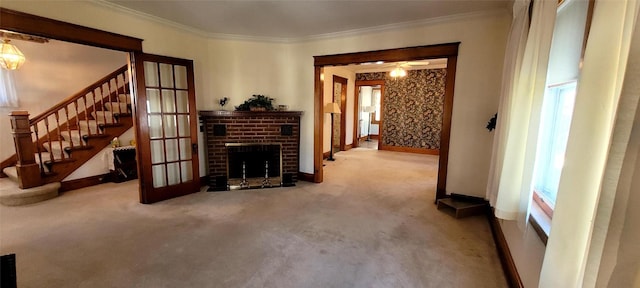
(167, 127)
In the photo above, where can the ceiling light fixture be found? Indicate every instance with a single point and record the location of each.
(398, 72)
(10, 56)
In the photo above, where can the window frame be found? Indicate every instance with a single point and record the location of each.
(557, 97)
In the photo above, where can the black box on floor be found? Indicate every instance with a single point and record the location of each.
(287, 180)
(219, 184)
(8, 277)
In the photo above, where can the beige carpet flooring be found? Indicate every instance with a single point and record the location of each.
(372, 223)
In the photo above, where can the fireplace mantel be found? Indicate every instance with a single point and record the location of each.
(214, 113)
(223, 127)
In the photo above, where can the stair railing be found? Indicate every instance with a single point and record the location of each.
(49, 128)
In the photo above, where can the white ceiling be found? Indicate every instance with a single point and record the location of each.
(301, 19)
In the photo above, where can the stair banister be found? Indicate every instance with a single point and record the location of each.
(50, 127)
(27, 168)
(69, 100)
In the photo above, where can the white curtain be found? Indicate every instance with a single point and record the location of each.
(615, 202)
(510, 72)
(589, 146)
(8, 95)
(509, 188)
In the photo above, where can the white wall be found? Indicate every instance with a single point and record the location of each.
(284, 71)
(52, 72)
(239, 69)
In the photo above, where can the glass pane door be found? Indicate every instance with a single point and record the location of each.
(168, 143)
(169, 123)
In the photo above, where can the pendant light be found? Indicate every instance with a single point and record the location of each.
(10, 56)
(398, 72)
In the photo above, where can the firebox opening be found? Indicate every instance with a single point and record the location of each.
(254, 165)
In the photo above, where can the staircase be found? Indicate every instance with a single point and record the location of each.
(60, 140)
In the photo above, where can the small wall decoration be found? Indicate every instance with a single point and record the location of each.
(222, 102)
(492, 122)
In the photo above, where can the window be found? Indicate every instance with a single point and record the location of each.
(563, 72)
(557, 109)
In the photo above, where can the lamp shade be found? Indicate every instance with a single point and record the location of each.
(10, 56)
(332, 108)
(369, 109)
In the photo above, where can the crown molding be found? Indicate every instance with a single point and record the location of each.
(347, 33)
(149, 17)
(250, 38)
(403, 25)
(186, 28)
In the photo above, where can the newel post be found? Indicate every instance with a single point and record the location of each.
(27, 168)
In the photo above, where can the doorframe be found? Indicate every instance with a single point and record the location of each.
(343, 109)
(54, 29)
(21, 22)
(356, 120)
(446, 50)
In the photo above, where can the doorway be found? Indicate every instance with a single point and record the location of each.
(448, 51)
(20, 22)
(368, 123)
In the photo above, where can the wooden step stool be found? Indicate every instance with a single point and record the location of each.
(461, 206)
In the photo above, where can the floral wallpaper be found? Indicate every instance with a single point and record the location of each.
(412, 107)
(337, 94)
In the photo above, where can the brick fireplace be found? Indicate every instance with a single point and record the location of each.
(224, 129)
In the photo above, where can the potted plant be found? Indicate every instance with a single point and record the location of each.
(256, 103)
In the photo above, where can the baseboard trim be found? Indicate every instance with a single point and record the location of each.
(409, 150)
(348, 147)
(536, 227)
(506, 259)
(305, 177)
(372, 136)
(82, 182)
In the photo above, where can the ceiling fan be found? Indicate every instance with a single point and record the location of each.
(380, 66)
(399, 69)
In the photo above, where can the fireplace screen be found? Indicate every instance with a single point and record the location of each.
(254, 165)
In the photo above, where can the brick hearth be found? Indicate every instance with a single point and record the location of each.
(222, 127)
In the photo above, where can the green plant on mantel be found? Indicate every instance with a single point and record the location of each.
(256, 103)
